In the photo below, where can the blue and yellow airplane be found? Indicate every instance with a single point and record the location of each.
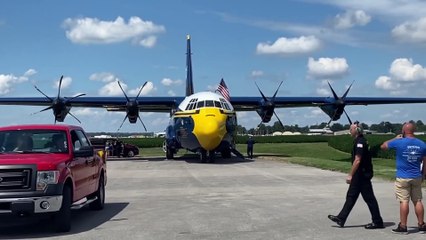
(202, 122)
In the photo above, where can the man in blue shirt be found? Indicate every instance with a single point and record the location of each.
(410, 154)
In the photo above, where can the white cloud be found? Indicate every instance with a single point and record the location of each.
(148, 89)
(30, 72)
(95, 31)
(351, 18)
(323, 91)
(403, 69)
(411, 31)
(257, 73)
(386, 8)
(104, 77)
(90, 112)
(314, 113)
(327, 68)
(66, 82)
(171, 93)
(7, 81)
(386, 83)
(285, 46)
(148, 42)
(169, 82)
(404, 77)
(112, 89)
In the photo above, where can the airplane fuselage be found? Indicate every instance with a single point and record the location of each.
(204, 123)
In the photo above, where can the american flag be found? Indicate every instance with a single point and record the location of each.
(223, 89)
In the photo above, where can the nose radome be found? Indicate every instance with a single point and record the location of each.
(210, 128)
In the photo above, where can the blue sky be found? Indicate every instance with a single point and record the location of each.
(378, 44)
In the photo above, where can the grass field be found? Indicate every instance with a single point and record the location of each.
(318, 155)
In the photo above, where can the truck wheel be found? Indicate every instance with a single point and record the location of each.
(130, 153)
(99, 203)
(62, 219)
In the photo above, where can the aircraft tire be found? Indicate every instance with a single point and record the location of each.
(226, 153)
(212, 157)
(169, 153)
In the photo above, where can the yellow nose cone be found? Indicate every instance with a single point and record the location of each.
(210, 127)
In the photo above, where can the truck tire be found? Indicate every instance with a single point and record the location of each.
(62, 219)
(99, 203)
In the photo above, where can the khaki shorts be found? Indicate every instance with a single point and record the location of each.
(408, 188)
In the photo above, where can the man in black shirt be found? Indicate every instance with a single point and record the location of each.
(359, 180)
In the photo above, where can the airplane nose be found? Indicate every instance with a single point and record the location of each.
(210, 128)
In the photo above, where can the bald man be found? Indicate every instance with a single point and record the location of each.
(410, 154)
(359, 180)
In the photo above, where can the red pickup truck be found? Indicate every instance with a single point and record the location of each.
(50, 169)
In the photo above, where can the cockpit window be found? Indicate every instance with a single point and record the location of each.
(209, 103)
(192, 104)
(200, 104)
(217, 104)
(225, 104)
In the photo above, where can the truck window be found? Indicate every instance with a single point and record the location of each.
(33, 140)
(83, 139)
(79, 139)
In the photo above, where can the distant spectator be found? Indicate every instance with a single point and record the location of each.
(250, 143)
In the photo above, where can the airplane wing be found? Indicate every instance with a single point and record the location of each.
(253, 103)
(145, 104)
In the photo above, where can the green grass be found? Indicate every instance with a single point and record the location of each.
(318, 155)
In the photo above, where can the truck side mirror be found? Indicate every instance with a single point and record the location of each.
(85, 151)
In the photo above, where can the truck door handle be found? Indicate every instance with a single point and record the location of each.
(88, 161)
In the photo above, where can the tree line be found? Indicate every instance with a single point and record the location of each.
(383, 127)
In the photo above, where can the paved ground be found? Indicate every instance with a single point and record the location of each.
(232, 199)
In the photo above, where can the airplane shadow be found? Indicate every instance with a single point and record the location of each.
(82, 220)
(187, 157)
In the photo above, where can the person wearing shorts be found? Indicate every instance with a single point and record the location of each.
(410, 156)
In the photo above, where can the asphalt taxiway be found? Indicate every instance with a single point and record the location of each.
(154, 198)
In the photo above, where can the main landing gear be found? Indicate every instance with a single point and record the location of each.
(207, 156)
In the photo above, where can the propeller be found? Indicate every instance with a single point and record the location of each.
(132, 108)
(60, 106)
(267, 109)
(339, 105)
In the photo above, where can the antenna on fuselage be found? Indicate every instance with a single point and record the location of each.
(189, 84)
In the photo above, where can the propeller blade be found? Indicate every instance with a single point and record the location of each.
(275, 94)
(140, 90)
(332, 90)
(59, 88)
(344, 95)
(50, 107)
(142, 123)
(72, 115)
(79, 95)
(43, 93)
(328, 124)
(125, 118)
(258, 125)
(123, 91)
(261, 93)
(350, 122)
(276, 115)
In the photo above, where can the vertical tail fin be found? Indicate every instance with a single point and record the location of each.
(189, 84)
